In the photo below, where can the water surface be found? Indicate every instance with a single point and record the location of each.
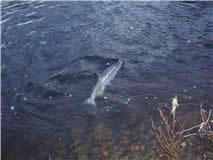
(53, 52)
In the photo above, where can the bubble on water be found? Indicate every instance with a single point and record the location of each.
(146, 97)
(155, 98)
(131, 27)
(50, 97)
(108, 64)
(39, 96)
(188, 41)
(194, 86)
(190, 97)
(105, 97)
(25, 99)
(184, 90)
(70, 95)
(43, 42)
(107, 108)
(12, 107)
(126, 102)
(129, 99)
(18, 94)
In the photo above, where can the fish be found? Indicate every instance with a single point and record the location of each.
(104, 80)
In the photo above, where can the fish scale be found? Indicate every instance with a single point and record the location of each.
(106, 77)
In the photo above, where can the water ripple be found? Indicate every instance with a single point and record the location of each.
(5, 20)
(30, 21)
(30, 14)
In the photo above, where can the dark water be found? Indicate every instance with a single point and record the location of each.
(53, 52)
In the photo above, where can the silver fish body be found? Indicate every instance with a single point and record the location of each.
(105, 78)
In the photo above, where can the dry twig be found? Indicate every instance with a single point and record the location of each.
(170, 137)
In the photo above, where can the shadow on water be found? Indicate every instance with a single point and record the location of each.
(54, 52)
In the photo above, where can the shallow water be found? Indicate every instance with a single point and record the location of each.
(52, 55)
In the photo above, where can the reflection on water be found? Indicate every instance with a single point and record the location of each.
(53, 53)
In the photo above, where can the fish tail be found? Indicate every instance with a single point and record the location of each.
(91, 101)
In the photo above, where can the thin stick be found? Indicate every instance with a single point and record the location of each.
(189, 135)
(189, 129)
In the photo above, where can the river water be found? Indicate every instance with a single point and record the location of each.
(53, 52)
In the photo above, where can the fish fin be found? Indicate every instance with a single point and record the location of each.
(91, 101)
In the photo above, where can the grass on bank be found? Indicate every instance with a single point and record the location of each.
(169, 140)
